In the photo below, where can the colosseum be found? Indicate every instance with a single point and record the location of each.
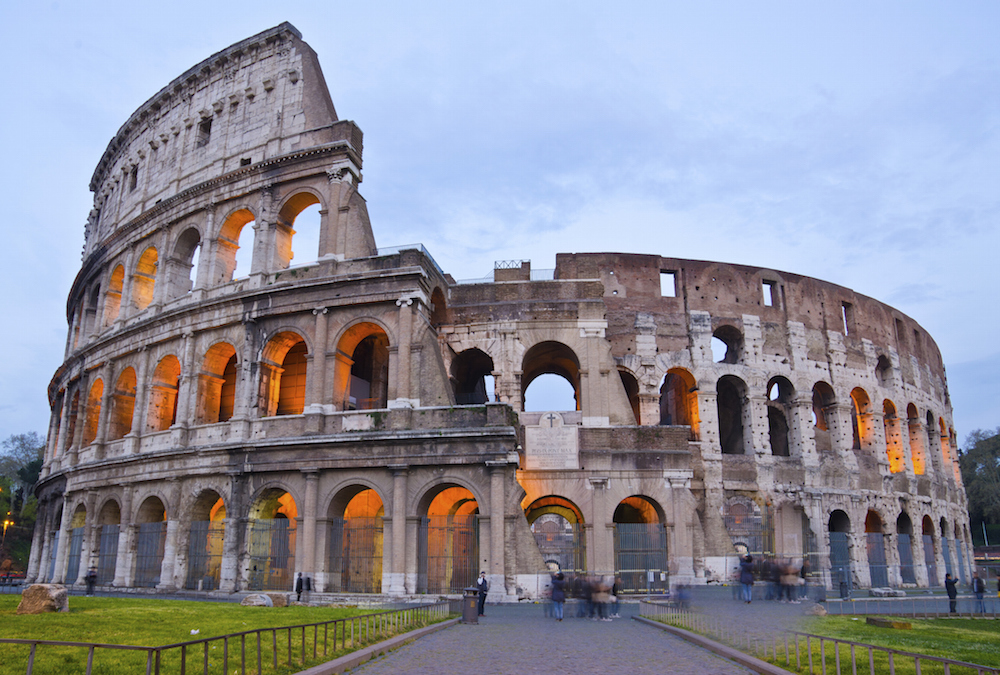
(356, 414)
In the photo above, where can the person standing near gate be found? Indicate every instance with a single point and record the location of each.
(949, 587)
(746, 578)
(91, 580)
(979, 588)
(484, 587)
(298, 588)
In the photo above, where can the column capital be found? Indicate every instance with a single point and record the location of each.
(320, 310)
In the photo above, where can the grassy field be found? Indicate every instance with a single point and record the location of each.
(153, 622)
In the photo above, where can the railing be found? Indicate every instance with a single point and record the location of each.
(344, 634)
(916, 606)
(788, 647)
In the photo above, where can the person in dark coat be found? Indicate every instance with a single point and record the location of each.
(298, 588)
(949, 587)
(91, 580)
(484, 587)
(746, 578)
(979, 588)
(558, 595)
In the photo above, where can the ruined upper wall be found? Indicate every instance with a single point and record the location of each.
(258, 99)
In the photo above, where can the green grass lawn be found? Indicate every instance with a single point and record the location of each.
(153, 622)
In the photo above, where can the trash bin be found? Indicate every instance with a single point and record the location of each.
(470, 605)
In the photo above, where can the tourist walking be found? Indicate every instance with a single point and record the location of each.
(298, 588)
(558, 595)
(91, 580)
(484, 587)
(979, 588)
(949, 587)
(746, 578)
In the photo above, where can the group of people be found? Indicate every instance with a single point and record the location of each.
(598, 596)
(978, 586)
(786, 581)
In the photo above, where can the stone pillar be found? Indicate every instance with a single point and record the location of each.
(62, 552)
(105, 413)
(308, 564)
(317, 392)
(123, 566)
(235, 523)
(186, 387)
(62, 440)
(604, 549)
(498, 521)
(397, 569)
(246, 390)
(169, 557)
(919, 566)
(403, 395)
(132, 442)
(649, 410)
(37, 539)
(90, 548)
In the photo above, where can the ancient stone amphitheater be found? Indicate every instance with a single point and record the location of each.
(359, 417)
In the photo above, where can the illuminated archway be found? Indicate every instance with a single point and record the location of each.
(448, 560)
(93, 412)
(232, 259)
(679, 400)
(205, 541)
(356, 538)
(641, 560)
(558, 526)
(122, 405)
(150, 542)
(283, 375)
(144, 279)
(217, 384)
(162, 412)
(362, 371)
(272, 526)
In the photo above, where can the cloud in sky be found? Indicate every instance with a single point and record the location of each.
(852, 142)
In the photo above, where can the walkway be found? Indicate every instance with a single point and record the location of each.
(520, 639)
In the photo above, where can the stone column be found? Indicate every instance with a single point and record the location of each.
(246, 389)
(603, 556)
(62, 440)
(37, 539)
(169, 558)
(308, 564)
(105, 412)
(498, 522)
(62, 552)
(123, 568)
(235, 523)
(397, 569)
(132, 442)
(185, 393)
(90, 548)
(404, 396)
(317, 392)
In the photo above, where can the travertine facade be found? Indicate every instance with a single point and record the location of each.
(221, 429)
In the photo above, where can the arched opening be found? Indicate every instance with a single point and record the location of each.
(945, 446)
(234, 259)
(780, 394)
(162, 412)
(272, 522)
(861, 418)
(355, 552)
(631, 386)
(875, 539)
(904, 543)
(150, 542)
(641, 546)
(181, 266)
(78, 526)
(144, 279)
(750, 526)
(74, 411)
(217, 385)
(449, 540)
(823, 399)
(558, 526)
(439, 308)
(883, 371)
(727, 344)
(472, 377)
(298, 231)
(946, 548)
(839, 528)
(205, 541)
(556, 369)
(113, 296)
(283, 375)
(730, 394)
(917, 439)
(893, 437)
(930, 557)
(122, 405)
(109, 524)
(932, 439)
(93, 412)
(362, 379)
(679, 401)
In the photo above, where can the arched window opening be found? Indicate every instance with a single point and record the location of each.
(361, 380)
(355, 546)
(292, 392)
(930, 557)
(272, 520)
(640, 540)
(727, 344)
(144, 279)
(205, 538)
(839, 528)
(90, 311)
(217, 385)
(78, 525)
(883, 371)
(860, 418)
(917, 440)
(904, 543)
(181, 266)
(109, 528)
(439, 308)
(113, 296)
(679, 401)
(449, 537)
(469, 373)
(780, 395)
(945, 444)
(632, 392)
(893, 437)
(730, 393)
(875, 539)
(558, 526)
(162, 412)
(122, 405)
(150, 542)
(93, 412)
(234, 255)
(550, 393)
(298, 231)
(283, 375)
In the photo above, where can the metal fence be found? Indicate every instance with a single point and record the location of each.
(149, 548)
(355, 555)
(205, 555)
(75, 549)
(272, 557)
(107, 557)
(641, 557)
(805, 651)
(250, 651)
(448, 553)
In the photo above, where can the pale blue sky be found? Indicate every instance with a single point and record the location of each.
(855, 142)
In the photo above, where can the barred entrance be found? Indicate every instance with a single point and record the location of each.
(107, 559)
(149, 553)
(75, 548)
(561, 543)
(930, 562)
(355, 555)
(946, 552)
(272, 557)
(448, 553)
(877, 568)
(905, 546)
(641, 557)
(205, 555)
(750, 527)
(53, 555)
(840, 561)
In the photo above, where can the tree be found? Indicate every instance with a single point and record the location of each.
(21, 462)
(980, 465)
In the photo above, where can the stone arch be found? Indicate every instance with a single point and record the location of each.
(283, 375)
(640, 544)
(355, 552)
(122, 405)
(861, 409)
(631, 387)
(945, 445)
(286, 243)
(361, 375)
(780, 396)
(730, 399)
(75, 559)
(930, 550)
(551, 358)
(839, 529)
(918, 453)
(883, 371)
(109, 520)
(144, 279)
(727, 344)
(74, 412)
(448, 559)
(558, 526)
(679, 401)
(92, 412)
(904, 544)
(217, 384)
(206, 534)
(162, 411)
(227, 245)
(823, 399)
(439, 308)
(272, 523)
(893, 437)
(878, 569)
(471, 377)
(151, 538)
(182, 262)
(113, 295)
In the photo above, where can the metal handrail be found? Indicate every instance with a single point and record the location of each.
(355, 630)
(743, 640)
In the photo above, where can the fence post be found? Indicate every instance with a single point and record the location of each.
(274, 647)
(90, 661)
(258, 652)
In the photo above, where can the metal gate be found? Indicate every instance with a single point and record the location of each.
(906, 559)
(961, 562)
(946, 552)
(272, 554)
(204, 555)
(840, 561)
(107, 559)
(641, 557)
(53, 555)
(876, 560)
(750, 527)
(149, 553)
(448, 553)
(355, 555)
(75, 548)
(932, 575)
(561, 543)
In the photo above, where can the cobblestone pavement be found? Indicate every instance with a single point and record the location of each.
(520, 639)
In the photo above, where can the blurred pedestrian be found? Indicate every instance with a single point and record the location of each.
(558, 595)
(746, 578)
(949, 587)
(91, 580)
(979, 588)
